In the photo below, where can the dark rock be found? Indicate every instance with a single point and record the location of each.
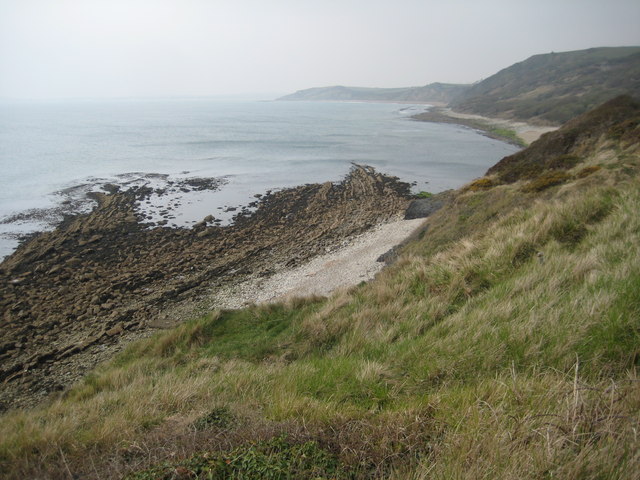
(423, 207)
(389, 256)
(111, 188)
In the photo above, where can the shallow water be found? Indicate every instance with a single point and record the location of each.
(53, 153)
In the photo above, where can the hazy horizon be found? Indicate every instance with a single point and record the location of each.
(98, 49)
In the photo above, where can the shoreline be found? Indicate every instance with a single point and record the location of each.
(358, 259)
(74, 296)
(514, 132)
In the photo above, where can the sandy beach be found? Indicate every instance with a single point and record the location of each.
(525, 132)
(529, 133)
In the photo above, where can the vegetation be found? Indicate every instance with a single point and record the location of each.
(546, 180)
(483, 183)
(618, 119)
(424, 194)
(436, 115)
(555, 87)
(274, 459)
(586, 171)
(503, 343)
(507, 134)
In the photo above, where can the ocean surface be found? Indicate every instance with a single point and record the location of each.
(53, 153)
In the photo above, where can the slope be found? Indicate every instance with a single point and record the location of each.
(503, 343)
(553, 88)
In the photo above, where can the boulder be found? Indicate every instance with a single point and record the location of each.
(423, 207)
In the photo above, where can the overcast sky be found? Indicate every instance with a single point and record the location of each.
(133, 48)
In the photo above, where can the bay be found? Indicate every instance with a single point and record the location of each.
(53, 153)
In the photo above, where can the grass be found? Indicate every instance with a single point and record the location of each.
(483, 183)
(276, 458)
(554, 87)
(468, 358)
(507, 134)
(546, 180)
(436, 115)
(424, 194)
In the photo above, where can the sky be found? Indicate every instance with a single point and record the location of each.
(160, 48)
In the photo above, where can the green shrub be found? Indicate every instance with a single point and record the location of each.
(219, 417)
(508, 134)
(483, 183)
(424, 195)
(274, 459)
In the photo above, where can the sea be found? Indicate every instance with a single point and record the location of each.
(52, 153)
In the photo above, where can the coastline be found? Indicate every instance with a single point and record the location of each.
(74, 296)
(514, 132)
(357, 259)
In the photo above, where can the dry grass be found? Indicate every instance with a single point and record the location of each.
(543, 426)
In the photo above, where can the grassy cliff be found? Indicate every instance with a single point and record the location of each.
(555, 87)
(503, 343)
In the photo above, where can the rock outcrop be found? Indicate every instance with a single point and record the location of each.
(67, 295)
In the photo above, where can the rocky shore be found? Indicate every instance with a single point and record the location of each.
(72, 297)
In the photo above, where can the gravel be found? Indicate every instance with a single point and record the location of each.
(355, 262)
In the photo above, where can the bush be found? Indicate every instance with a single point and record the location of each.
(219, 417)
(483, 183)
(424, 195)
(275, 459)
(545, 181)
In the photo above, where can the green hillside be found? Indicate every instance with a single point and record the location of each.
(503, 343)
(553, 88)
(434, 92)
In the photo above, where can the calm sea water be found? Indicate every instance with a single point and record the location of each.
(51, 151)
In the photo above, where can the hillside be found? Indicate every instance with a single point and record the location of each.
(440, 93)
(546, 89)
(553, 88)
(503, 343)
